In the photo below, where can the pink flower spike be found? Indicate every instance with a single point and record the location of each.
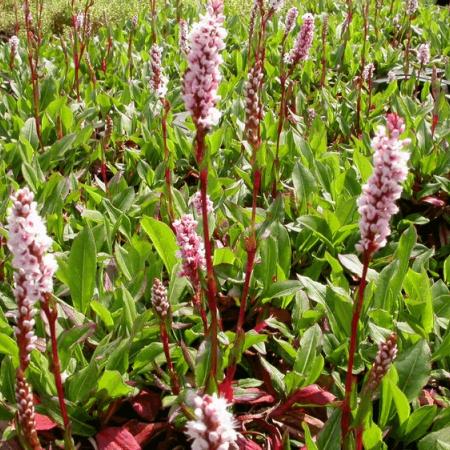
(196, 201)
(202, 77)
(158, 81)
(183, 38)
(377, 201)
(291, 18)
(214, 426)
(300, 51)
(191, 251)
(423, 54)
(34, 267)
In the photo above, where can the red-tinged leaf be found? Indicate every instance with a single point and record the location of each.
(147, 404)
(435, 201)
(44, 423)
(226, 389)
(247, 444)
(273, 435)
(253, 396)
(310, 395)
(115, 438)
(143, 432)
(260, 326)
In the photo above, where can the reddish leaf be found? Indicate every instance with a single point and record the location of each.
(226, 388)
(310, 395)
(44, 423)
(247, 444)
(435, 201)
(253, 396)
(260, 326)
(143, 432)
(147, 404)
(115, 438)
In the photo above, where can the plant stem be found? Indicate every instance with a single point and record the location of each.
(167, 172)
(51, 314)
(346, 407)
(211, 290)
(361, 68)
(165, 340)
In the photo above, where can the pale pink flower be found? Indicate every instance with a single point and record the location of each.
(159, 298)
(34, 267)
(253, 107)
(191, 246)
(411, 7)
(202, 77)
(423, 54)
(387, 352)
(197, 203)
(158, 81)
(274, 5)
(14, 44)
(391, 76)
(377, 201)
(368, 72)
(214, 426)
(183, 39)
(291, 18)
(302, 45)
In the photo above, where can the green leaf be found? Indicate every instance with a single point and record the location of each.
(8, 346)
(113, 386)
(309, 344)
(439, 440)
(414, 369)
(82, 383)
(400, 401)
(282, 288)
(82, 267)
(419, 422)
(330, 435)
(163, 239)
(275, 375)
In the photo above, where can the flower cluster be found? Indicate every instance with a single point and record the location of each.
(302, 45)
(291, 18)
(14, 44)
(253, 107)
(191, 247)
(34, 267)
(423, 54)
(377, 202)
(411, 7)
(274, 5)
(202, 77)
(159, 298)
(368, 71)
(214, 426)
(387, 351)
(183, 39)
(158, 81)
(391, 76)
(26, 412)
(197, 203)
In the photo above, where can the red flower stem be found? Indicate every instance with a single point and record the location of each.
(198, 305)
(359, 438)
(33, 44)
(52, 316)
(407, 48)
(361, 69)
(167, 172)
(324, 55)
(130, 54)
(211, 290)
(173, 376)
(346, 407)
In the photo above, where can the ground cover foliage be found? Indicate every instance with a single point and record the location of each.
(115, 163)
